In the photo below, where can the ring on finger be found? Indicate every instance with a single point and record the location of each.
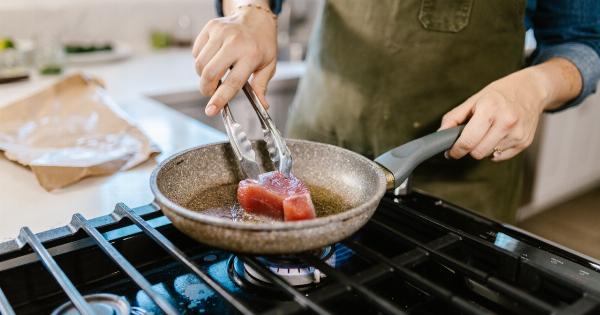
(497, 152)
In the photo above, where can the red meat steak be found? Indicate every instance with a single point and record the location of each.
(298, 207)
(267, 196)
(258, 199)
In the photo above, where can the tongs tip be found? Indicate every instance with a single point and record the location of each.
(278, 151)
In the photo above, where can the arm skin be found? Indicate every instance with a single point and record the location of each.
(503, 116)
(244, 41)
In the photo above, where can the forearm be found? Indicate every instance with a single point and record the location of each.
(230, 5)
(559, 80)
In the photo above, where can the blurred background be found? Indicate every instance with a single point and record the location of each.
(143, 47)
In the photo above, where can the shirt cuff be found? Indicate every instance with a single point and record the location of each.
(275, 6)
(584, 58)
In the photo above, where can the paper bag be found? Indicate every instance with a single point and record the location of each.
(71, 130)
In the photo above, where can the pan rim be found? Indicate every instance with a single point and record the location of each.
(179, 210)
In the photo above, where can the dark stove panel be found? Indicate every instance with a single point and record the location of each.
(417, 255)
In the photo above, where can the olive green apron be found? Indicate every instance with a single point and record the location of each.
(381, 73)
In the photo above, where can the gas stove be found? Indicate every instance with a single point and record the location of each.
(417, 255)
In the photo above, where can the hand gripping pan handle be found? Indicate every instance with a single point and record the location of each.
(402, 160)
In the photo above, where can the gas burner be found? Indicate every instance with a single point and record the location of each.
(291, 268)
(102, 303)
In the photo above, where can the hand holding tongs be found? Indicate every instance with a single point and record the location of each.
(279, 153)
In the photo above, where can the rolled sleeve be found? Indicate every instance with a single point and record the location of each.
(584, 58)
(274, 4)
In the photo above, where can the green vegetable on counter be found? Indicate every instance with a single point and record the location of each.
(82, 48)
(51, 70)
(160, 39)
(6, 43)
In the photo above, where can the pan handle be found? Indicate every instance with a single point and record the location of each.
(401, 161)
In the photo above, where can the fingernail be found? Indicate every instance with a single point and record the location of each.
(447, 155)
(210, 110)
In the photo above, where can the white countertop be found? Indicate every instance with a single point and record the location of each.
(25, 203)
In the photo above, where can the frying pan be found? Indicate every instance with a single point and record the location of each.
(360, 182)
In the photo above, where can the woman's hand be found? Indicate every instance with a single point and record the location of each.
(503, 117)
(246, 41)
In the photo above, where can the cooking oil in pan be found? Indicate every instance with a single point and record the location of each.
(221, 201)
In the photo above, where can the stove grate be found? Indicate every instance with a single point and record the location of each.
(403, 265)
(80, 303)
(5, 307)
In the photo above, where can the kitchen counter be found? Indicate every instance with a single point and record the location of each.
(25, 203)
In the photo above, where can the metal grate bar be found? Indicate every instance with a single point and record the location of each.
(380, 302)
(377, 271)
(299, 297)
(418, 280)
(78, 301)
(123, 211)
(495, 283)
(78, 221)
(5, 308)
(584, 306)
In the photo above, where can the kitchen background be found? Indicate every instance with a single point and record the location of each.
(563, 197)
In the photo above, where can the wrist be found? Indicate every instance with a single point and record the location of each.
(560, 79)
(255, 15)
(539, 87)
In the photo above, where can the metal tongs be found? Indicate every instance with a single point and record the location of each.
(279, 153)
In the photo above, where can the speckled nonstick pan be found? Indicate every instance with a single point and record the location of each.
(358, 180)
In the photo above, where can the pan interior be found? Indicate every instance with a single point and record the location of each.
(200, 177)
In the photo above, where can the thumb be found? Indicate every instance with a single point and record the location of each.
(458, 114)
(260, 80)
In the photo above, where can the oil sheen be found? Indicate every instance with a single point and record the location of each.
(221, 201)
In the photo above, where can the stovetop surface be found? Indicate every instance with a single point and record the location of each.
(417, 255)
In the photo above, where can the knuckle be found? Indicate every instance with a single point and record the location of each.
(208, 73)
(510, 119)
(517, 135)
(253, 54)
(199, 64)
(478, 154)
(234, 33)
(219, 99)
(455, 153)
(204, 88)
(447, 118)
(252, 51)
(234, 83)
(465, 145)
(485, 105)
(210, 24)
(528, 142)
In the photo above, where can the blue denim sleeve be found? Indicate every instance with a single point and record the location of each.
(274, 4)
(570, 29)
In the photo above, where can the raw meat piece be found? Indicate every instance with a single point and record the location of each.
(298, 207)
(268, 195)
(258, 199)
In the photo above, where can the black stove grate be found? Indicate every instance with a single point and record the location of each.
(503, 288)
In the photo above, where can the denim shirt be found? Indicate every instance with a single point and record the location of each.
(568, 29)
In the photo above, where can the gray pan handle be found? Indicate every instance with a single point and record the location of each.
(402, 160)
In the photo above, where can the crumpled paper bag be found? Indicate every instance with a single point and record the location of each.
(69, 131)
